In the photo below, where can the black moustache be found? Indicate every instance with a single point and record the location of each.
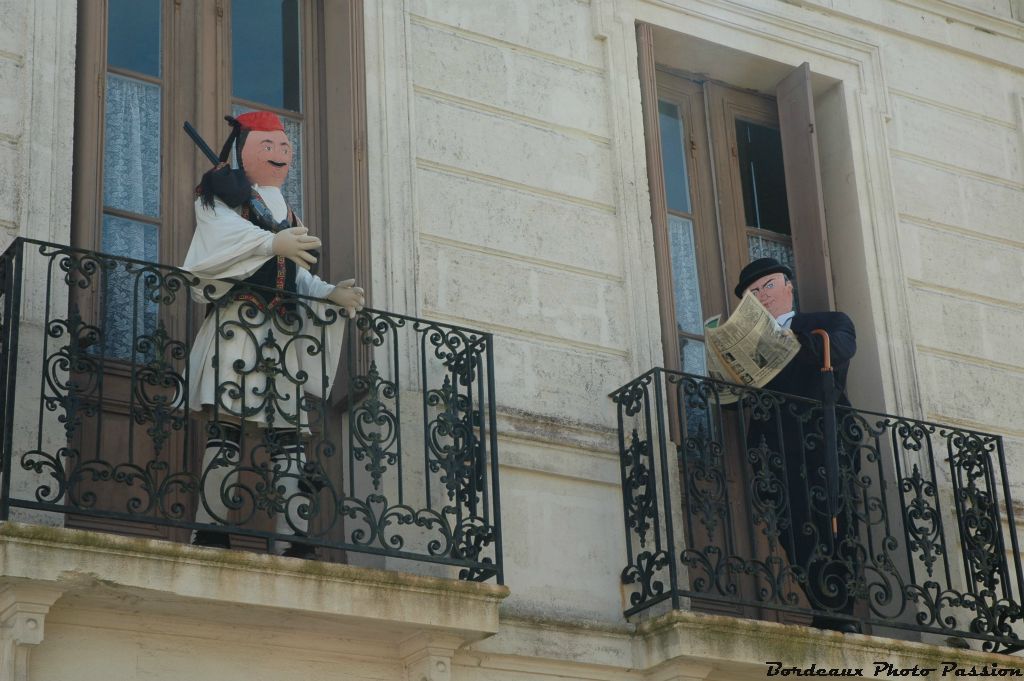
(275, 163)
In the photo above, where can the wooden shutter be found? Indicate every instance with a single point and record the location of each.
(803, 190)
(346, 215)
(656, 187)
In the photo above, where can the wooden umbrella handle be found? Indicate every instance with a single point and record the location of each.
(828, 348)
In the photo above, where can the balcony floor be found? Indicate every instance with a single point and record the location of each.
(87, 586)
(723, 647)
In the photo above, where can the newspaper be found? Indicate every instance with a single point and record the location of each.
(750, 348)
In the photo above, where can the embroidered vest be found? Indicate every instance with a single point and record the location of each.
(278, 272)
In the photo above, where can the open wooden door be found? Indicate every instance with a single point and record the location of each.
(803, 189)
(145, 67)
(733, 176)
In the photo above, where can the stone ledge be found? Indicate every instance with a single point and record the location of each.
(165, 577)
(741, 647)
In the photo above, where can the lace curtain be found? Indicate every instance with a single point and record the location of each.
(131, 156)
(683, 252)
(768, 248)
(131, 182)
(686, 282)
(127, 312)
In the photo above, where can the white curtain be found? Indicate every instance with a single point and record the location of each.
(131, 155)
(131, 182)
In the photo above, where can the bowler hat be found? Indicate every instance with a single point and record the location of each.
(757, 269)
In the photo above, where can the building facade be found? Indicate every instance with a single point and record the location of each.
(570, 177)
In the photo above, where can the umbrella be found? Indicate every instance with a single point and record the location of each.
(829, 396)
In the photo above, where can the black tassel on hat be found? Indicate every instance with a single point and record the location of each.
(222, 181)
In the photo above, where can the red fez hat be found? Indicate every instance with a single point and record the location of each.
(260, 120)
(247, 122)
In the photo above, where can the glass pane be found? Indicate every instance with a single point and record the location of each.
(692, 357)
(685, 279)
(265, 52)
(698, 417)
(133, 35)
(131, 154)
(293, 187)
(126, 312)
(673, 157)
(762, 177)
(768, 248)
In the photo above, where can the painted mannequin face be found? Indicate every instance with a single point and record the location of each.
(774, 292)
(266, 156)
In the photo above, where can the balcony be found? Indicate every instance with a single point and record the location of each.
(921, 543)
(377, 453)
(395, 467)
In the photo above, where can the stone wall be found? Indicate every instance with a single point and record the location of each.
(37, 95)
(510, 195)
(37, 105)
(499, 134)
(509, 192)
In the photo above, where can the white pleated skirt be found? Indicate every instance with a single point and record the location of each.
(258, 365)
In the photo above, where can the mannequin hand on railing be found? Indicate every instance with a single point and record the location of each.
(349, 296)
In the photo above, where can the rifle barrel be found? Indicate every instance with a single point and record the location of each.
(201, 143)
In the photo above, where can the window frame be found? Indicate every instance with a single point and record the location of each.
(723, 224)
(726, 219)
(683, 95)
(197, 84)
(729, 105)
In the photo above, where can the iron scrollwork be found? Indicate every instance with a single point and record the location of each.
(122, 395)
(910, 546)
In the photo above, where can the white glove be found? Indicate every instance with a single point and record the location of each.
(295, 243)
(349, 296)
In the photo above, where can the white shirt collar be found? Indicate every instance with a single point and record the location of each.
(274, 199)
(786, 319)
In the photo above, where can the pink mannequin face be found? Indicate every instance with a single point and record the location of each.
(266, 157)
(774, 292)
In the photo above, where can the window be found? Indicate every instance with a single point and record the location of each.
(733, 177)
(146, 66)
(132, 134)
(266, 73)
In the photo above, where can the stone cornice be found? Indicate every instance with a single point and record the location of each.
(96, 566)
(684, 637)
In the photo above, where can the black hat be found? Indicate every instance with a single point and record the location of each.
(757, 269)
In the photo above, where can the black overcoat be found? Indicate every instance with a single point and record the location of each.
(786, 447)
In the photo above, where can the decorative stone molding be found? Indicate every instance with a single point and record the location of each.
(168, 579)
(684, 645)
(392, 157)
(23, 610)
(680, 671)
(428, 657)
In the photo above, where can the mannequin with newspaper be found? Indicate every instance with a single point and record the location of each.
(766, 344)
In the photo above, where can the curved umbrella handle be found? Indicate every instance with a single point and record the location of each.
(828, 348)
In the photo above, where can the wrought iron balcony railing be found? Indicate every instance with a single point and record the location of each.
(99, 429)
(727, 510)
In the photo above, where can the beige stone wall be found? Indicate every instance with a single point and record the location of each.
(508, 185)
(94, 606)
(957, 152)
(496, 122)
(37, 95)
(37, 90)
(508, 192)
